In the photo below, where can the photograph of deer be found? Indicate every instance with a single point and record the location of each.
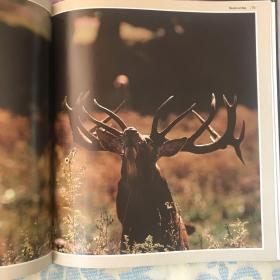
(158, 172)
(144, 203)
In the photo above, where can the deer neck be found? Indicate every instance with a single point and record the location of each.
(139, 170)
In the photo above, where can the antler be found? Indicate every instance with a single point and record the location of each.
(109, 117)
(89, 138)
(160, 136)
(218, 142)
(81, 135)
(111, 114)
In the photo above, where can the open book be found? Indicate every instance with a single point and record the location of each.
(137, 133)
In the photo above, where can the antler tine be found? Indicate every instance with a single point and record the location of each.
(228, 104)
(178, 119)
(114, 116)
(213, 133)
(231, 108)
(80, 135)
(154, 131)
(100, 123)
(78, 102)
(238, 142)
(207, 122)
(83, 130)
(69, 108)
(109, 118)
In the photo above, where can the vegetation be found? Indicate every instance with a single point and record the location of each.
(73, 224)
(148, 246)
(24, 193)
(236, 236)
(220, 200)
(215, 192)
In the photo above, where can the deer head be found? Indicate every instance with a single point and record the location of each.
(129, 143)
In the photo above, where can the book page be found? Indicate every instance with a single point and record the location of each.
(25, 218)
(184, 169)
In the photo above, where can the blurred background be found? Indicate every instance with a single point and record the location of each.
(24, 132)
(144, 57)
(190, 55)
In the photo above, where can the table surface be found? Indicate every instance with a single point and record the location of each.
(202, 271)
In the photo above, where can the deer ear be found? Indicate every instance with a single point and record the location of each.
(109, 141)
(171, 147)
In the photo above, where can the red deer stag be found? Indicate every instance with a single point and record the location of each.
(144, 203)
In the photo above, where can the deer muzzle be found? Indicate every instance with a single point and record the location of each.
(131, 143)
(130, 152)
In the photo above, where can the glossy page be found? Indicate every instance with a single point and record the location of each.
(131, 187)
(25, 219)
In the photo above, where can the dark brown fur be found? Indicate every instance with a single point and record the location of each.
(145, 205)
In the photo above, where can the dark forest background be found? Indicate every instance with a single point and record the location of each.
(24, 79)
(190, 55)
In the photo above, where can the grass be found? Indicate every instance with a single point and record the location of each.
(24, 194)
(75, 237)
(235, 236)
(148, 246)
(215, 192)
